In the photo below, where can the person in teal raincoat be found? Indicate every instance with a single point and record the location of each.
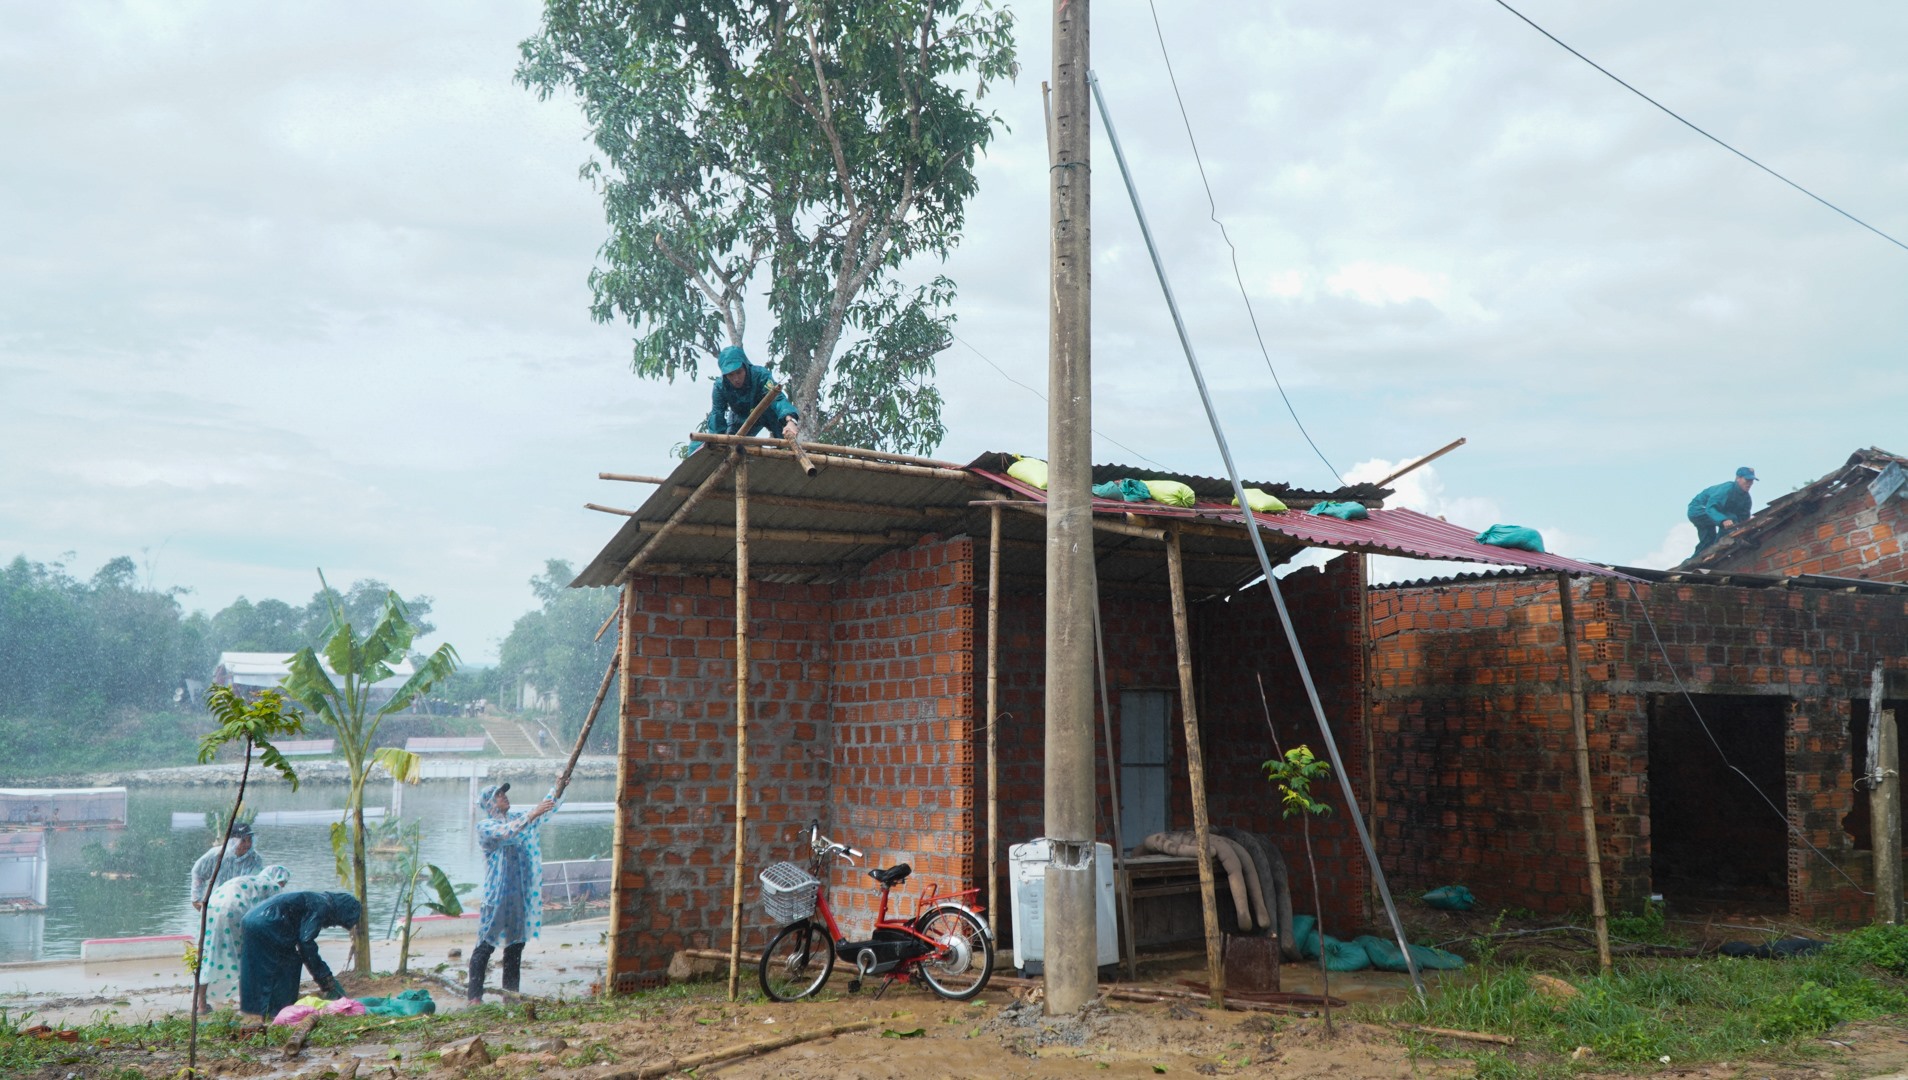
(1723, 506)
(513, 885)
(736, 394)
(280, 936)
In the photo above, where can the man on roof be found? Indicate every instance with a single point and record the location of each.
(736, 393)
(1721, 507)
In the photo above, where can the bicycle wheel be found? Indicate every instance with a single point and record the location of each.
(797, 962)
(966, 958)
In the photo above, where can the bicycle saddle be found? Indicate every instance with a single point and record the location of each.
(892, 876)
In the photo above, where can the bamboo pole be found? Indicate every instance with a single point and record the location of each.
(864, 464)
(1196, 772)
(993, 730)
(1423, 461)
(800, 536)
(676, 519)
(609, 509)
(757, 442)
(801, 456)
(804, 502)
(1452, 1033)
(563, 778)
(634, 478)
(1579, 730)
(625, 654)
(741, 718)
(1101, 523)
(1120, 883)
(613, 616)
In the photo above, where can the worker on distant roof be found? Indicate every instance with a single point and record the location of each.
(738, 391)
(1721, 507)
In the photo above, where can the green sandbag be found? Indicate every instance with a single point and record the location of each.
(1261, 502)
(1450, 898)
(1170, 492)
(1029, 471)
(1386, 957)
(1339, 955)
(1512, 536)
(1348, 511)
(1124, 490)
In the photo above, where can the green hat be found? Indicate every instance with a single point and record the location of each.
(732, 359)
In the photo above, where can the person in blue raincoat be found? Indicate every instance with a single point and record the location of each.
(736, 393)
(513, 885)
(1723, 506)
(280, 936)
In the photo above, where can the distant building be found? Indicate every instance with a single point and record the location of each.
(252, 672)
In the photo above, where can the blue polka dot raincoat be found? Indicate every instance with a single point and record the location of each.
(513, 873)
(230, 903)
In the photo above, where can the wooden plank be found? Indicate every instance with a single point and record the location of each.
(1196, 771)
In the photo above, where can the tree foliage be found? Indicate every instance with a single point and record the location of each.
(552, 647)
(345, 703)
(823, 143)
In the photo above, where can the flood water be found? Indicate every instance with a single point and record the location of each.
(133, 882)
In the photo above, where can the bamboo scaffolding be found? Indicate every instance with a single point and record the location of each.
(800, 536)
(1579, 731)
(676, 519)
(741, 719)
(827, 448)
(1196, 771)
(625, 654)
(993, 718)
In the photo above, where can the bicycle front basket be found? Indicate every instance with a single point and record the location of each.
(788, 892)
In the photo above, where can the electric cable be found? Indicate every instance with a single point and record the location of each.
(1212, 207)
(1679, 119)
(1043, 397)
(1704, 724)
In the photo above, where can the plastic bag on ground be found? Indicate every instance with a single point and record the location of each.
(1261, 502)
(1345, 511)
(343, 1007)
(1029, 471)
(1385, 956)
(291, 1014)
(1512, 536)
(1170, 492)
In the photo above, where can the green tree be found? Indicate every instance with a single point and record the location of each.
(554, 648)
(824, 143)
(338, 690)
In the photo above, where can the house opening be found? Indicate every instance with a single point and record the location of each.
(1718, 838)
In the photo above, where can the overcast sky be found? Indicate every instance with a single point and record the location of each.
(297, 285)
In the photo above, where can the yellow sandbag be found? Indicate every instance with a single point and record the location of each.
(1261, 502)
(1170, 492)
(1031, 471)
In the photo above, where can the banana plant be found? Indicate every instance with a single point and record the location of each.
(337, 688)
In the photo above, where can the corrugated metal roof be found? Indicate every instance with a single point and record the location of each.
(892, 510)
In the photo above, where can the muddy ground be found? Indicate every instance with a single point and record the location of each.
(914, 1035)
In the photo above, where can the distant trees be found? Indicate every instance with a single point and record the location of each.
(551, 647)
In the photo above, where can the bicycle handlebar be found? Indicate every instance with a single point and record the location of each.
(825, 847)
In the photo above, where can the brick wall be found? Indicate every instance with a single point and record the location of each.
(1847, 536)
(1477, 777)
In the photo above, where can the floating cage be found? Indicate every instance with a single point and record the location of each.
(62, 808)
(22, 872)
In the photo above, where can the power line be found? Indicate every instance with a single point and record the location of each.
(1679, 119)
(1212, 206)
(1043, 397)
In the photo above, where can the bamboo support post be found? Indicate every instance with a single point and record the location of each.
(709, 483)
(563, 778)
(1120, 883)
(633, 478)
(1196, 771)
(730, 1053)
(826, 448)
(1586, 803)
(741, 719)
(625, 653)
(993, 719)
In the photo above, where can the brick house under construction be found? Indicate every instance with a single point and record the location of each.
(868, 600)
(1728, 706)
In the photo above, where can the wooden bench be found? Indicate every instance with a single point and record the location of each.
(446, 745)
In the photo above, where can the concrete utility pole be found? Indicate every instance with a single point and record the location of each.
(1071, 943)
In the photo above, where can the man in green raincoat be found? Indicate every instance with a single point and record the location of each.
(1723, 506)
(736, 393)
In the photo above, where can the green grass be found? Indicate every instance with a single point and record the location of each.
(34, 747)
(1686, 1010)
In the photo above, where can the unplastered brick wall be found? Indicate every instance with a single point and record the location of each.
(1471, 721)
(903, 714)
(676, 806)
(1846, 536)
(1246, 647)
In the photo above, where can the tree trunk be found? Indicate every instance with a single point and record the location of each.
(360, 934)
